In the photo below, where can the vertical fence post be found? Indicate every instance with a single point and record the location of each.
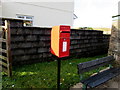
(8, 48)
(1, 55)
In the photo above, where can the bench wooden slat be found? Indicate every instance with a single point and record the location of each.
(104, 78)
(94, 77)
(90, 65)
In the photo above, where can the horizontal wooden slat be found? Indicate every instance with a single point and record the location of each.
(3, 63)
(4, 70)
(90, 65)
(3, 57)
(2, 40)
(2, 27)
(3, 50)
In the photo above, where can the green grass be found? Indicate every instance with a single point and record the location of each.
(44, 75)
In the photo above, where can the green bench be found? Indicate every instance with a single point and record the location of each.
(100, 77)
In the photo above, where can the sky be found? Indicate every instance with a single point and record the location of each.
(95, 13)
(92, 13)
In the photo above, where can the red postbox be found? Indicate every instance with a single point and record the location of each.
(60, 40)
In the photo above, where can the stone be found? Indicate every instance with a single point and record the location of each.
(114, 46)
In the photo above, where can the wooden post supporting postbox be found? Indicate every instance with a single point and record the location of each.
(60, 45)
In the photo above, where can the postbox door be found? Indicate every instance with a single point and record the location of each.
(64, 47)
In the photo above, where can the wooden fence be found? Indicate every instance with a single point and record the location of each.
(32, 44)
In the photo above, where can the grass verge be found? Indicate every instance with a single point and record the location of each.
(44, 75)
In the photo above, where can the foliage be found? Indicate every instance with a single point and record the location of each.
(85, 28)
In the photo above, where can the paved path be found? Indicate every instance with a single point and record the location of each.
(113, 84)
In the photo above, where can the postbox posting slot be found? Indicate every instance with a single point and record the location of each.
(64, 32)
